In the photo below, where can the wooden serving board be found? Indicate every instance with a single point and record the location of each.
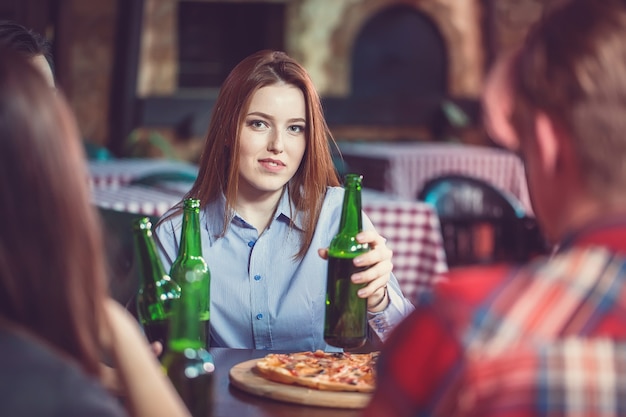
(244, 377)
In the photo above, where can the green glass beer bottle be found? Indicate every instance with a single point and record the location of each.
(345, 322)
(156, 289)
(190, 260)
(186, 361)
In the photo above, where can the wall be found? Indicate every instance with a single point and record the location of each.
(320, 34)
(91, 60)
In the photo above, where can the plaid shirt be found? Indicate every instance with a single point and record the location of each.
(501, 340)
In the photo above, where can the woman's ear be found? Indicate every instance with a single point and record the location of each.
(548, 143)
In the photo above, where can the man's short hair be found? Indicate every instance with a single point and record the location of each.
(572, 66)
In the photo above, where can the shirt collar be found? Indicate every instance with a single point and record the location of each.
(287, 212)
(214, 217)
(609, 232)
(214, 214)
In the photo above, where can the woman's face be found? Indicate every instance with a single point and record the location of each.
(272, 142)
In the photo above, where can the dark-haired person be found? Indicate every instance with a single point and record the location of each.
(270, 204)
(57, 321)
(544, 338)
(31, 44)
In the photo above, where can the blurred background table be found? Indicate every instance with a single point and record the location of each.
(114, 173)
(402, 168)
(413, 233)
(140, 199)
(411, 228)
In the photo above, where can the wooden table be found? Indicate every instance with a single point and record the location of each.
(229, 401)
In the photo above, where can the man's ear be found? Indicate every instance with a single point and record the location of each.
(498, 102)
(548, 143)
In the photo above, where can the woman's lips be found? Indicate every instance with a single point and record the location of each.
(272, 165)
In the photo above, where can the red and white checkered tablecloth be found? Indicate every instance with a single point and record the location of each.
(138, 199)
(410, 227)
(115, 173)
(413, 234)
(406, 166)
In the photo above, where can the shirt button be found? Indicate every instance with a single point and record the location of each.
(257, 277)
(259, 316)
(251, 243)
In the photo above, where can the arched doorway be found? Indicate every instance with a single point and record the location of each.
(399, 53)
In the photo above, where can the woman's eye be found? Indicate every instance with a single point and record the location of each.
(296, 128)
(258, 124)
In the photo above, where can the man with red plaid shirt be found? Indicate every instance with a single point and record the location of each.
(543, 338)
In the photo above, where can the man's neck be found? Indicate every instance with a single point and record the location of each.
(581, 212)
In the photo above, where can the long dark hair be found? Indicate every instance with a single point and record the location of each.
(219, 164)
(52, 272)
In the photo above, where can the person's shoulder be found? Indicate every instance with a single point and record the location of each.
(445, 309)
(462, 291)
(169, 222)
(333, 198)
(20, 350)
(473, 282)
(330, 213)
(37, 381)
(334, 192)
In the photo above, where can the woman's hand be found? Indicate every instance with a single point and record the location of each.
(136, 372)
(378, 263)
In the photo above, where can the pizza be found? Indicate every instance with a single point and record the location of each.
(336, 371)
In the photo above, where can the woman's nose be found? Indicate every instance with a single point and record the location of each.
(275, 143)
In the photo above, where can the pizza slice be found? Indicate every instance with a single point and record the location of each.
(321, 370)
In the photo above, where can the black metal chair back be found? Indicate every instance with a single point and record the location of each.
(480, 223)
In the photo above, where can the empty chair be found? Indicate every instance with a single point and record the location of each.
(480, 223)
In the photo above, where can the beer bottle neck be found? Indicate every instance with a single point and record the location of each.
(351, 221)
(190, 242)
(147, 257)
(344, 243)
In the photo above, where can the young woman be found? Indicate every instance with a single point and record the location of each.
(56, 320)
(271, 203)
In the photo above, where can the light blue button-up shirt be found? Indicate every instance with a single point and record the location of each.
(261, 297)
